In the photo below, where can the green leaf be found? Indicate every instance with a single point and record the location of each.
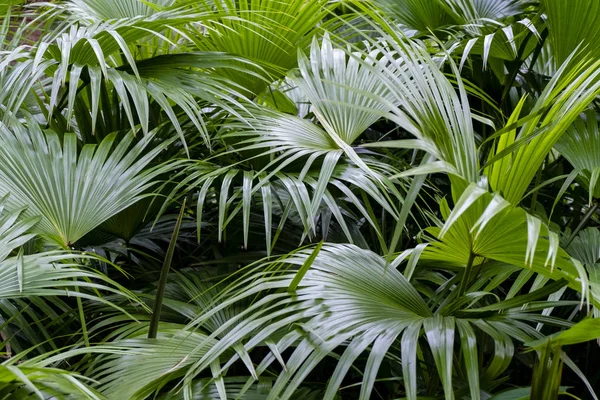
(581, 332)
(52, 179)
(305, 267)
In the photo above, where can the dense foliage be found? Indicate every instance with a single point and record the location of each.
(299, 199)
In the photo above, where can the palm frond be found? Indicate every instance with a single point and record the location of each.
(111, 10)
(581, 146)
(266, 32)
(483, 227)
(429, 106)
(564, 40)
(351, 298)
(135, 367)
(346, 96)
(423, 16)
(51, 178)
(35, 382)
(517, 157)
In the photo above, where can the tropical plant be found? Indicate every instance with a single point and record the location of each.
(299, 199)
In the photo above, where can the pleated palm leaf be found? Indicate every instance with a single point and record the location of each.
(265, 32)
(519, 153)
(349, 298)
(347, 98)
(89, 65)
(429, 107)
(423, 15)
(486, 9)
(483, 226)
(417, 15)
(581, 146)
(563, 39)
(40, 274)
(36, 280)
(74, 191)
(37, 383)
(135, 367)
(102, 10)
(585, 247)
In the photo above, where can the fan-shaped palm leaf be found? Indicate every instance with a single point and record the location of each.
(562, 17)
(265, 32)
(135, 367)
(40, 274)
(429, 106)
(423, 15)
(417, 14)
(345, 94)
(54, 180)
(109, 9)
(345, 98)
(483, 226)
(38, 383)
(345, 296)
(517, 157)
(581, 146)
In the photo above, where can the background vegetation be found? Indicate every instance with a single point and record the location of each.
(299, 199)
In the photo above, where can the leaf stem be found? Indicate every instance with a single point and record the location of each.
(164, 275)
(538, 179)
(583, 222)
(467, 275)
(84, 330)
